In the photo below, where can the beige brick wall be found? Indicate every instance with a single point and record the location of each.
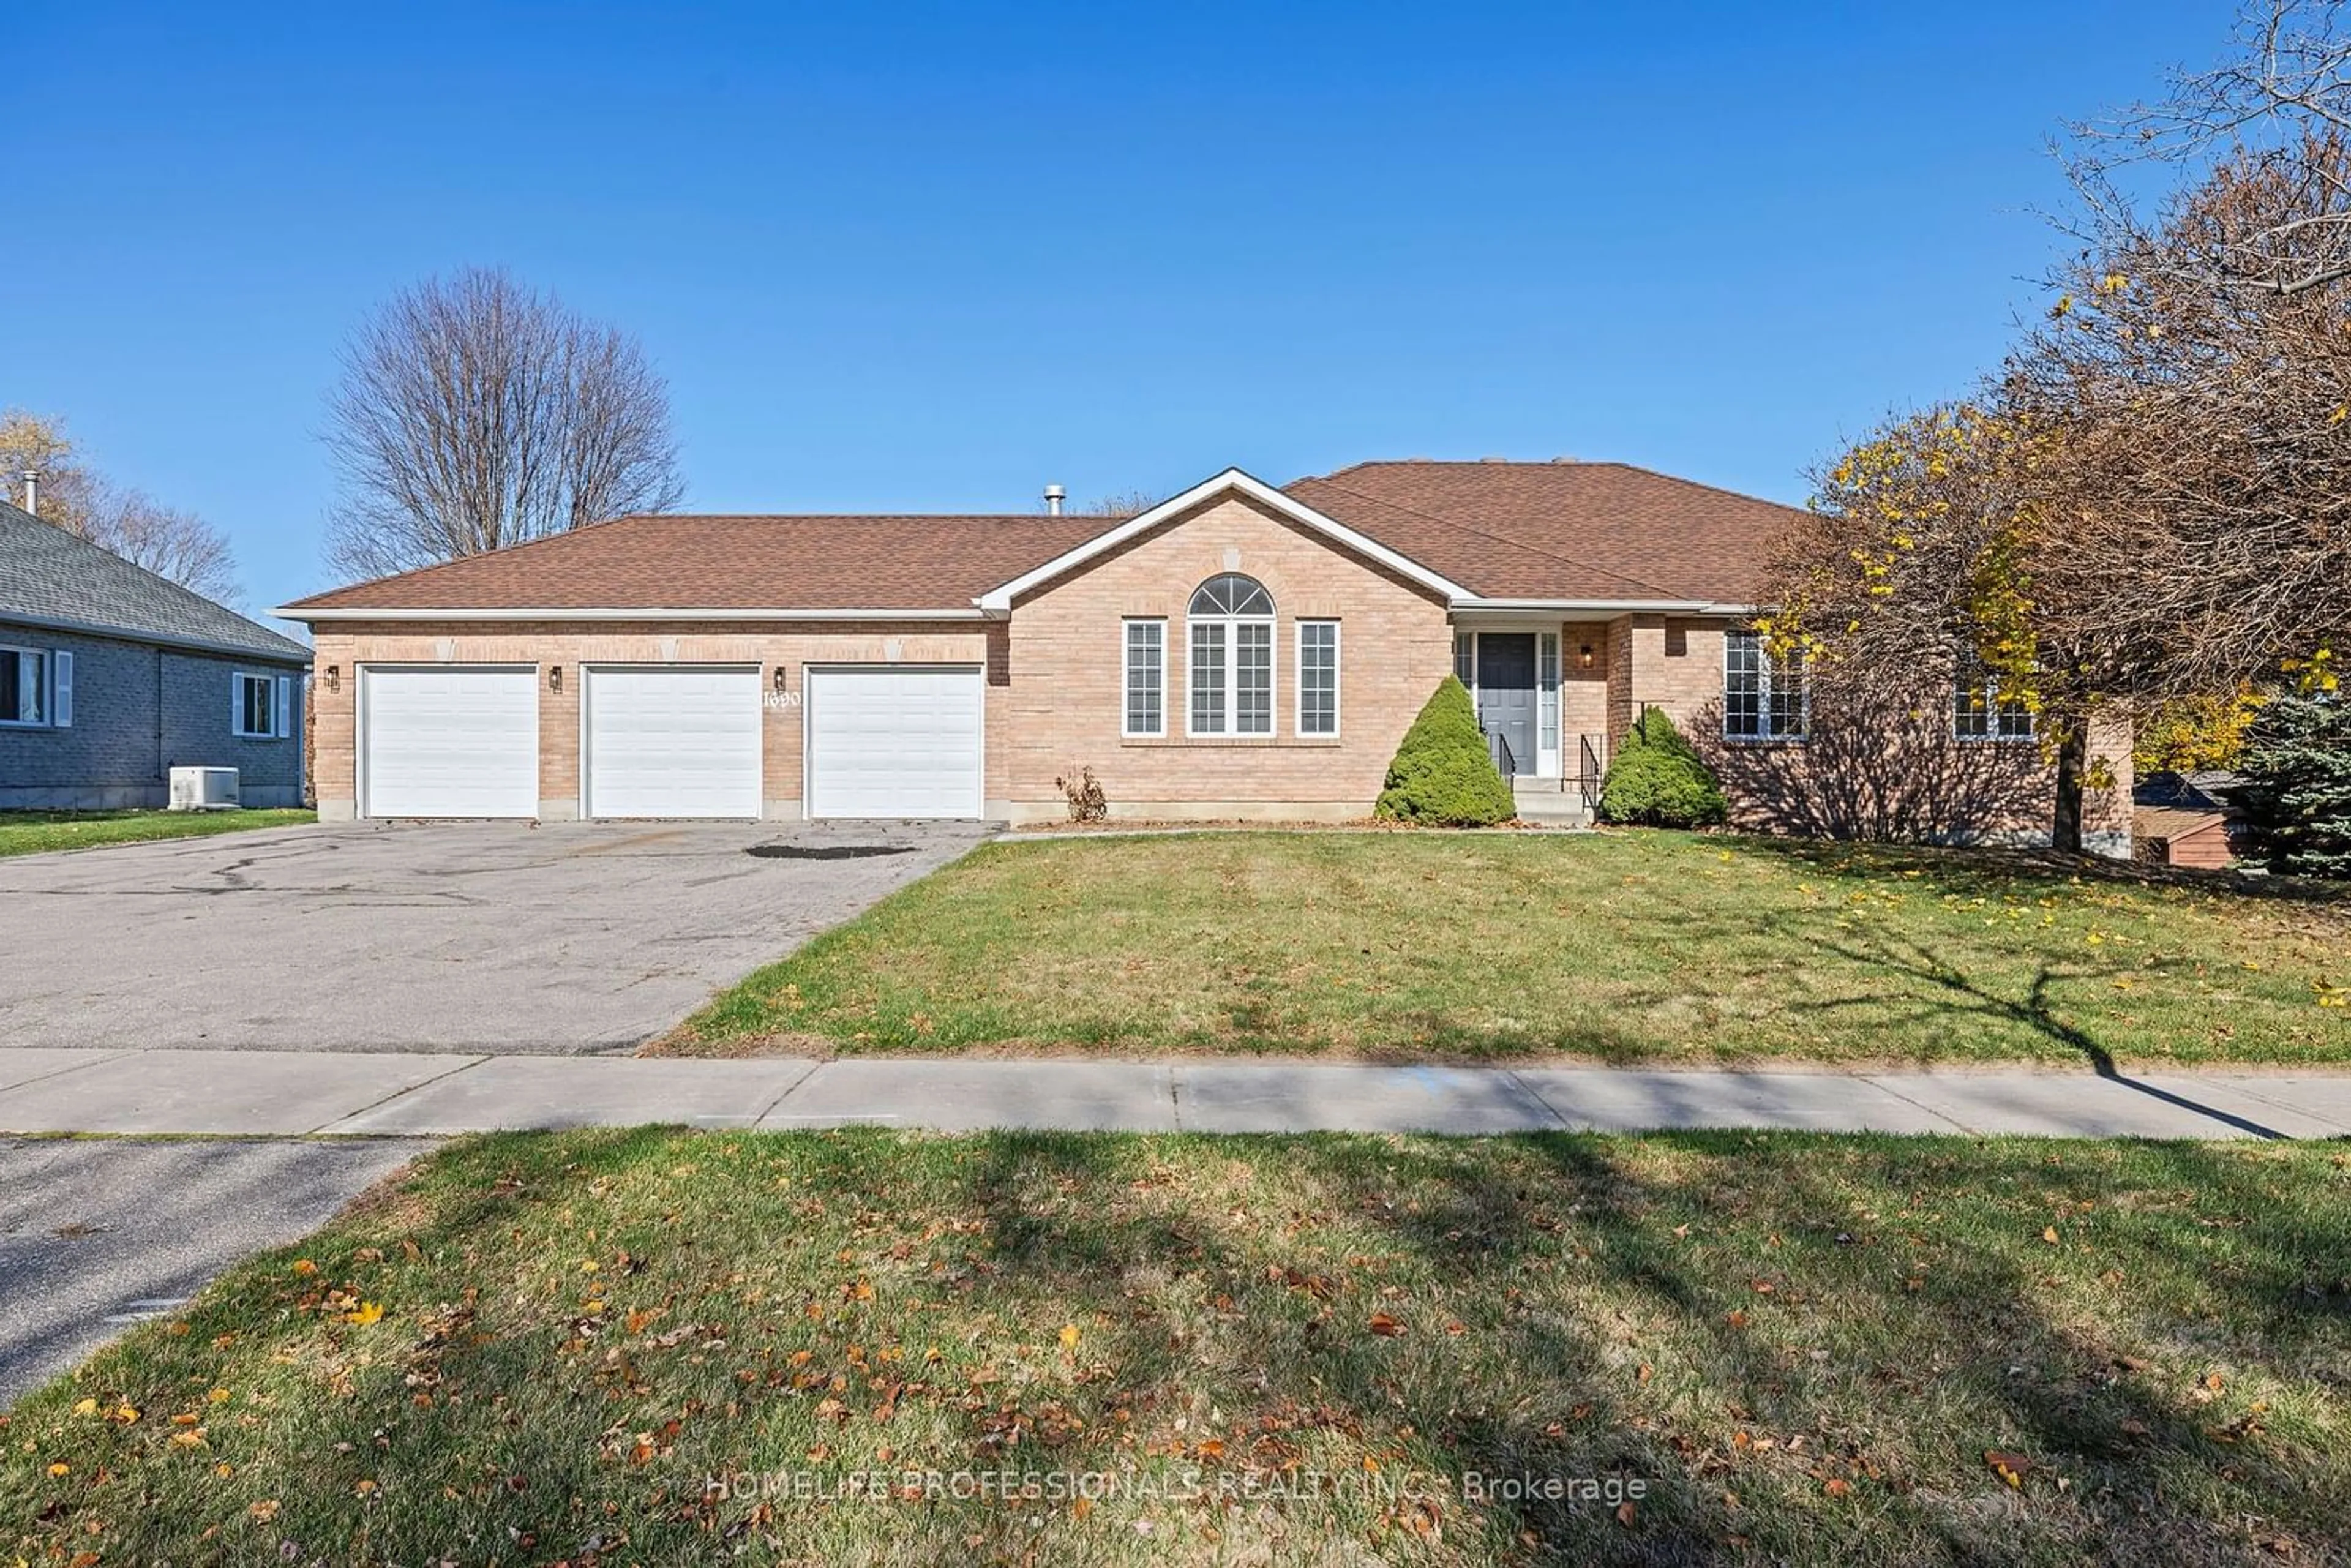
(788, 645)
(1584, 703)
(1054, 697)
(1671, 662)
(1064, 705)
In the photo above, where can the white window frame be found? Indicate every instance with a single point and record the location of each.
(1298, 675)
(1550, 720)
(1766, 667)
(276, 687)
(1986, 686)
(44, 687)
(1126, 630)
(1226, 629)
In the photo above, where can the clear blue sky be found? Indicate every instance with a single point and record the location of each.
(926, 257)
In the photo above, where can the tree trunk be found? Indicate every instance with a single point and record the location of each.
(2072, 761)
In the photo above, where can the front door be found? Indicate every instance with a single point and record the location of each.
(1506, 692)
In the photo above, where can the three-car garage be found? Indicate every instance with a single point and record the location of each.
(670, 740)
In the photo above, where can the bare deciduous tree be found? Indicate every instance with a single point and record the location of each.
(2151, 501)
(2198, 364)
(166, 540)
(1129, 503)
(2285, 83)
(475, 413)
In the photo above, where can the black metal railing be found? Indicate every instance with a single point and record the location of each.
(1588, 772)
(1497, 745)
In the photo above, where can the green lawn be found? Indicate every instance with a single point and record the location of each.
(30, 832)
(539, 1348)
(1623, 946)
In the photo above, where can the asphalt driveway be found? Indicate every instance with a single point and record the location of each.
(99, 1234)
(459, 936)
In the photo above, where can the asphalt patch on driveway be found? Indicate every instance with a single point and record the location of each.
(825, 852)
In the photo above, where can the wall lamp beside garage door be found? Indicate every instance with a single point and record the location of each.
(554, 678)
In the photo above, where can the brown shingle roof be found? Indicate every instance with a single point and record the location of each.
(682, 562)
(1559, 530)
(1503, 531)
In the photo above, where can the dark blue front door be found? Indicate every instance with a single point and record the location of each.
(1506, 692)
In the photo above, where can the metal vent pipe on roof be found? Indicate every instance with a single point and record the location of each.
(33, 491)
(1054, 495)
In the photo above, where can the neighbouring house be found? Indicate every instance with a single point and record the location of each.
(110, 677)
(1238, 651)
(2189, 819)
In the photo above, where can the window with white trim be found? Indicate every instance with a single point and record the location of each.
(1980, 711)
(1465, 658)
(1145, 666)
(23, 686)
(257, 710)
(1762, 696)
(1318, 677)
(1230, 670)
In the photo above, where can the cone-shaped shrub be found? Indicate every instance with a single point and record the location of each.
(1657, 779)
(1442, 774)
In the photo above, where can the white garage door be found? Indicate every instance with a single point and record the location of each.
(673, 741)
(449, 741)
(886, 740)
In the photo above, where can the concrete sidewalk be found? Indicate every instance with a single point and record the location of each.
(302, 1093)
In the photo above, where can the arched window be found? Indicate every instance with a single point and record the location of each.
(1230, 673)
(1232, 594)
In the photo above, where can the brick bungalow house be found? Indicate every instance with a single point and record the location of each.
(1237, 651)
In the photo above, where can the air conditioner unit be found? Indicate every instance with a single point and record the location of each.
(204, 789)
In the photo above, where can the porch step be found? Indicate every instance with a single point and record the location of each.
(1544, 802)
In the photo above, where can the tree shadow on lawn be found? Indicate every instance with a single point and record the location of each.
(1659, 1350)
(1945, 992)
(1975, 1341)
(1985, 870)
(1681, 1310)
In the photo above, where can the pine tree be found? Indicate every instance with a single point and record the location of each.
(2297, 791)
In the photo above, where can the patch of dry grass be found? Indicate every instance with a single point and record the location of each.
(1621, 946)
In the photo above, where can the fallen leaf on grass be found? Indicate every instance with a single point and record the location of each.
(1385, 1326)
(1837, 1486)
(2009, 1468)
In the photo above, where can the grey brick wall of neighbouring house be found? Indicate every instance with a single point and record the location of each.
(111, 676)
(139, 712)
